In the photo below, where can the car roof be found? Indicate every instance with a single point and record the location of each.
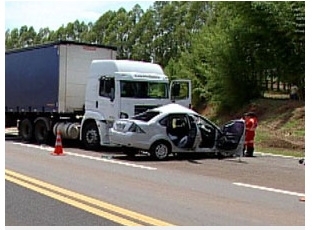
(173, 108)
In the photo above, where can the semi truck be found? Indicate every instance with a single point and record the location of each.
(79, 90)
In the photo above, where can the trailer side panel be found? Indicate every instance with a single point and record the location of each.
(31, 80)
(75, 61)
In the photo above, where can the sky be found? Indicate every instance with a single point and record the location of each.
(54, 14)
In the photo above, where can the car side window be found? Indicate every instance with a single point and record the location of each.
(204, 123)
(174, 121)
(164, 121)
(178, 124)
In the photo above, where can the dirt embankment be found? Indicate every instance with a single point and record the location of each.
(281, 122)
(284, 121)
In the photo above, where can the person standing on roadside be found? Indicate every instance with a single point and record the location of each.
(251, 123)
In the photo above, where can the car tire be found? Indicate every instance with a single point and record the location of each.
(90, 136)
(160, 150)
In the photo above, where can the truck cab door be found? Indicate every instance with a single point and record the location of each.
(231, 139)
(181, 92)
(106, 100)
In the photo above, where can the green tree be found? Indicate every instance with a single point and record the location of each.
(142, 37)
(12, 39)
(239, 46)
(227, 49)
(43, 36)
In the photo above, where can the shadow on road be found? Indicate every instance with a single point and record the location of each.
(194, 158)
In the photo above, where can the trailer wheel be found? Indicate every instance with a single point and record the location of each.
(26, 130)
(41, 132)
(160, 150)
(90, 136)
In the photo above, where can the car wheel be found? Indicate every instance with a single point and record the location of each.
(90, 136)
(160, 150)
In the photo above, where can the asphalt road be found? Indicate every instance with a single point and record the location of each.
(25, 207)
(185, 191)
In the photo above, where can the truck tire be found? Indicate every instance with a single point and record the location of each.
(42, 131)
(90, 136)
(160, 150)
(26, 130)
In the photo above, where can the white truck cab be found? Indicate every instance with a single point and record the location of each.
(121, 89)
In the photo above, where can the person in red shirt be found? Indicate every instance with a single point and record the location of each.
(251, 123)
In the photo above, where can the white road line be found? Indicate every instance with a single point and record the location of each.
(269, 189)
(276, 155)
(112, 161)
(50, 149)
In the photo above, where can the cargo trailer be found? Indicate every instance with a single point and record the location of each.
(80, 89)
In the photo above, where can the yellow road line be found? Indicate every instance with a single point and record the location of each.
(95, 202)
(74, 203)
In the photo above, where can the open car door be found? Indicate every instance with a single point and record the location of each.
(231, 139)
(181, 92)
(182, 131)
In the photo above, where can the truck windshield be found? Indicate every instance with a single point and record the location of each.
(139, 89)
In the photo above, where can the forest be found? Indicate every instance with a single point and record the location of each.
(230, 50)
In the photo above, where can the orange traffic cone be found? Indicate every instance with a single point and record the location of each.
(58, 150)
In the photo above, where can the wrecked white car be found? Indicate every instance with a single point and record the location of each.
(176, 129)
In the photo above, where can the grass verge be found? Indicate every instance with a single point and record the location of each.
(281, 127)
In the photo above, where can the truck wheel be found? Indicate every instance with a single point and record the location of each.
(41, 132)
(90, 136)
(160, 150)
(26, 130)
